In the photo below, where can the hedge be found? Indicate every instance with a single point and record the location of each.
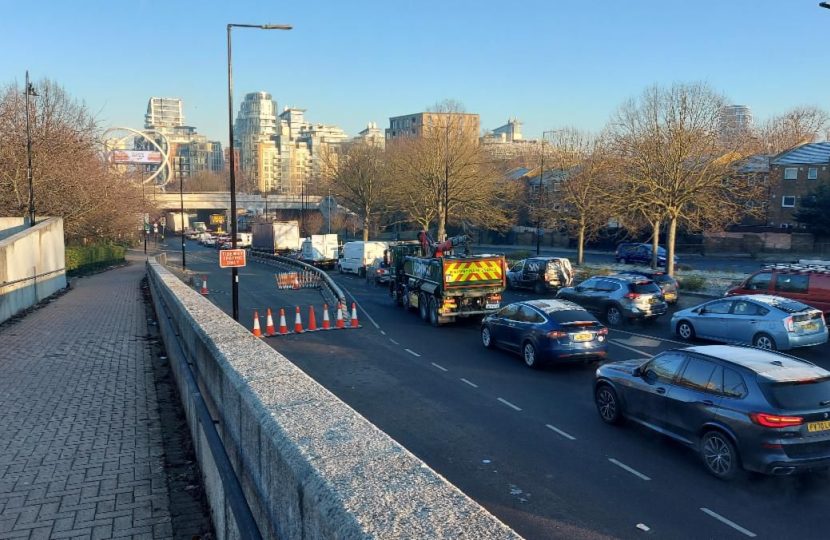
(82, 259)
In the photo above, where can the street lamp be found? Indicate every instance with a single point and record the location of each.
(234, 231)
(30, 91)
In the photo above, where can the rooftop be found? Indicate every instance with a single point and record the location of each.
(551, 305)
(818, 153)
(772, 366)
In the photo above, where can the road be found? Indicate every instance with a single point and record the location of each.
(527, 445)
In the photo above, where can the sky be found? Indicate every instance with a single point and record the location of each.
(551, 63)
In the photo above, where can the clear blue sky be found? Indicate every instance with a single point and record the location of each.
(549, 63)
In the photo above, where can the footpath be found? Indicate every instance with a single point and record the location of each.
(85, 450)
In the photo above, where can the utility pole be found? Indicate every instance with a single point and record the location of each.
(181, 208)
(539, 198)
(144, 230)
(447, 176)
(30, 91)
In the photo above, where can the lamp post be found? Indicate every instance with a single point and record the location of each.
(234, 232)
(30, 91)
(181, 209)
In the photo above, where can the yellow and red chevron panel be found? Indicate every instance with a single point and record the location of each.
(476, 272)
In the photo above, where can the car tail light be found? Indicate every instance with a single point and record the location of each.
(603, 332)
(774, 420)
(557, 334)
(789, 324)
(495, 297)
(632, 295)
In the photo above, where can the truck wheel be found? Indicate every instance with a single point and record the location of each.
(423, 305)
(539, 288)
(433, 312)
(405, 298)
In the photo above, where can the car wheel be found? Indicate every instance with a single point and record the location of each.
(614, 316)
(486, 337)
(423, 306)
(433, 312)
(686, 330)
(608, 405)
(765, 342)
(539, 288)
(529, 354)
(720, 457)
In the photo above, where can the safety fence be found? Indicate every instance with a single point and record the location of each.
(298, 279)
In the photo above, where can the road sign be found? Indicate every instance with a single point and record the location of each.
(231, 257)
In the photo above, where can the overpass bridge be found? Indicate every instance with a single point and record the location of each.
(221, 201)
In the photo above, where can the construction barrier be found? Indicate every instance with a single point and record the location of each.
(300, 279)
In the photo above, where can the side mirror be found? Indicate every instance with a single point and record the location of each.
(580, 288)
(637, 372)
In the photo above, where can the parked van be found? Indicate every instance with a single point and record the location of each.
(807, 283)
(358, 255)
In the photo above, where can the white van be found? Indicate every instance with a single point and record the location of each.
(358, 255)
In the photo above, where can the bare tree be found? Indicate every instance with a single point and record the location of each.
(674, 161)
(71, 178)
(313, 222)
(207, 181)
(358, 175)
(800, 125)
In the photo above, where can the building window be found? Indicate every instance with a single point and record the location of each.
(812, 173)
(788, 201)
(791, 173)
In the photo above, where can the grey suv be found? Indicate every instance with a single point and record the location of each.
(620, 298)
(737, 406)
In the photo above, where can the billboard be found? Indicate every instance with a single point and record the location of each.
(135, 156)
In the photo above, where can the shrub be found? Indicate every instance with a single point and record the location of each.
(83, 259)
(693, 283)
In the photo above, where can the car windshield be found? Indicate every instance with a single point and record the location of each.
(810, 394)
(644, 287)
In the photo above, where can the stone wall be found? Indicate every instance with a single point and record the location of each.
(310, 466)
(31, 263)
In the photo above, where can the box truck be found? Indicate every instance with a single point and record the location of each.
(276, 237)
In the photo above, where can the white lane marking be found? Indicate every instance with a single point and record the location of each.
(413, 353)
(471, 384)
(638, 351)
(650, 337)
(727, 522)
(509, 404)
(629, 469)
(361, 308)
(559, 431)
(382, 333)
(395, 342)
(442, 368)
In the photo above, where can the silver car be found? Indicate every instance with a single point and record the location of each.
(763, 321)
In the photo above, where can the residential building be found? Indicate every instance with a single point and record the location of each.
(227, 159)
(510, 132)
(372, 135)
(254, 128)
(164, 113)
(794, 174)
(735, 119)
(419, 124)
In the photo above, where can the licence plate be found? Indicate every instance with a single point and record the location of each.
(583, 337)
(652, 300)
(670, 296)
(810, 326)
(492, 306)
(818, 426)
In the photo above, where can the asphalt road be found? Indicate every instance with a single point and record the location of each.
(527, 445)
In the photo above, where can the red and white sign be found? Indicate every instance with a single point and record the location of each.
(229, 258)
(135, 156)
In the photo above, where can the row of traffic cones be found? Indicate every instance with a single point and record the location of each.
(270, 330)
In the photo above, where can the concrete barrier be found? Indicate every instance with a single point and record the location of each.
(32, 261)
(310, 466)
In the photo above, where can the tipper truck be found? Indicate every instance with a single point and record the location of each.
(443, 286)
(276, 237)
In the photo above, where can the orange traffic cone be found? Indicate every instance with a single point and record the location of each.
(312, 322)
(296, 282)
(204, 285)
(353, 322)
(340, 323)
(326, 321)
(256, 331)
(298, 322)
(283, 325)
(269, 324)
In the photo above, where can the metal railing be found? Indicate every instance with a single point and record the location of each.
(36, 276)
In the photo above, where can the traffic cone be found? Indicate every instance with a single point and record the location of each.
(204, 285)
(283, 325)
(296, 282)
(269, 324)
(298, 322)
(326, 321)
(353, 322)
(340, 323)
(256, 331)
(312, 322)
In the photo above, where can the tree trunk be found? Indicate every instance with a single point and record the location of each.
(442, 226)
(366, 226)
(580, 248)
(670, 246)
(655, 243)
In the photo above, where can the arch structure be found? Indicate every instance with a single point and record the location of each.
(112, 143)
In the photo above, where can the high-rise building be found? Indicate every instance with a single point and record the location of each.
(255, 126)
(164, 113)
(418, 124)
(735, 119)
(372, 135)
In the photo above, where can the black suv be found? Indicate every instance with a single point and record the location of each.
(736, 406)
(666, 283)
(540, 274)
(619, 297)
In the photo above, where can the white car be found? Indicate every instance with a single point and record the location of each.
(209, 241)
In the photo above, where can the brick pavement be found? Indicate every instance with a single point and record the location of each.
(81, 442)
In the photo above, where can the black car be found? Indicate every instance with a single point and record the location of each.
(541, 274)
(666, 282)
(736, 406)
(546, 331)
